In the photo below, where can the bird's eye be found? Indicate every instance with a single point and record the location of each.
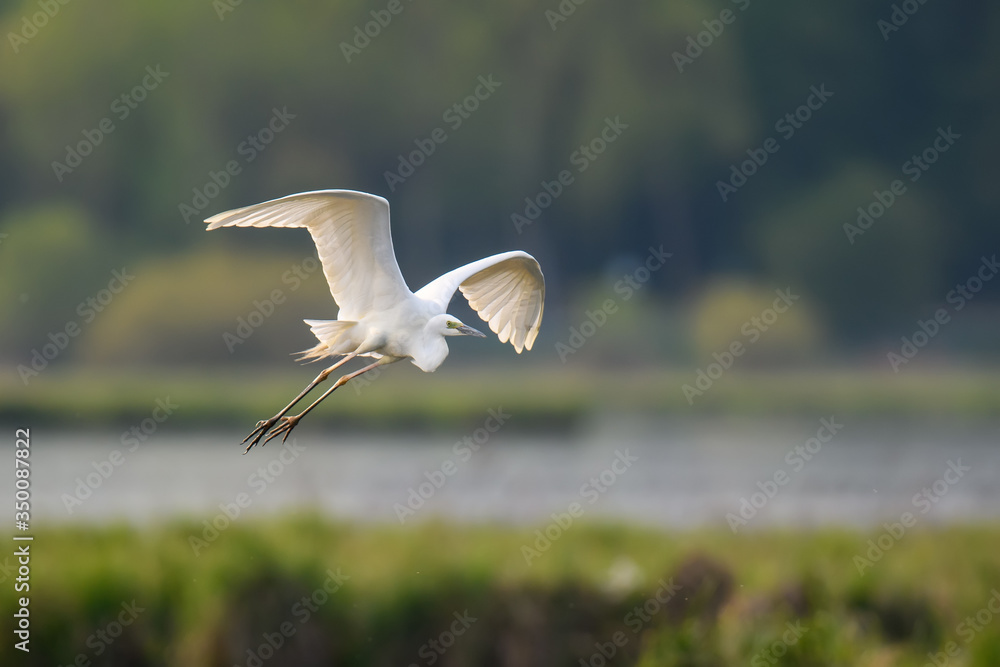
(452, 324)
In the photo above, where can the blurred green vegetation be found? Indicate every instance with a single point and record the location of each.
(540, 397)
(401, 586)
(657, 184)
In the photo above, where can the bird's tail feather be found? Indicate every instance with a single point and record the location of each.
(330, 334)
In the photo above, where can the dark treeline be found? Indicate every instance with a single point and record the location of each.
(846, 149)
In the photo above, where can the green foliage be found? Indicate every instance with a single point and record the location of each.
(814, 241)
(770, 597)
(541, 396)
(43, 246)
(731, 311)
(354, 117)
(209, 304)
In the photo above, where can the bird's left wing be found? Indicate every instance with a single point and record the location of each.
(507, 290)
(351, 232)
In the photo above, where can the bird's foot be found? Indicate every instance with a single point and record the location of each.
(286, 426)
(258, 432)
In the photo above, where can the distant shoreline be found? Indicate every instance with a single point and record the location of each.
(557, 398)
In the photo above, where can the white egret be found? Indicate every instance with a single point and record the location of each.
(379, 316)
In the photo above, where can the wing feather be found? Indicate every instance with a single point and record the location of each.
(506, 290)
(501, 286)
(351, 233)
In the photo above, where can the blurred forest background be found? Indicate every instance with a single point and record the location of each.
(349, 115)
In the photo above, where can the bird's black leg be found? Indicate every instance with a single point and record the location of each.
(288, 423)
(265, 425)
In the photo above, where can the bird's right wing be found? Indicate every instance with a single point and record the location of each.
(351, 233)
(507, 290)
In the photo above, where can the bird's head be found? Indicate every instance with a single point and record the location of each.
(449, 325)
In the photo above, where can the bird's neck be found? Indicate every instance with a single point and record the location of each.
(431, 353)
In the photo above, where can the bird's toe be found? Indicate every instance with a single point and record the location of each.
(285, 427)
(259, 431)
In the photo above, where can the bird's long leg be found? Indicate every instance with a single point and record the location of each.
(288, 423)
(264, 426)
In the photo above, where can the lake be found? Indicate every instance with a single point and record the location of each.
(667, 473)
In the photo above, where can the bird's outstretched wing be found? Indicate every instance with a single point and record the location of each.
(507, 290)
(351, 233)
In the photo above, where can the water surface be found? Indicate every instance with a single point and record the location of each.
(667, 474)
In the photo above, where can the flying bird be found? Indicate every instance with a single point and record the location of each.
(379, 317)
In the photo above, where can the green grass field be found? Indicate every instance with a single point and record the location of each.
(333, 594)
(403, 396)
